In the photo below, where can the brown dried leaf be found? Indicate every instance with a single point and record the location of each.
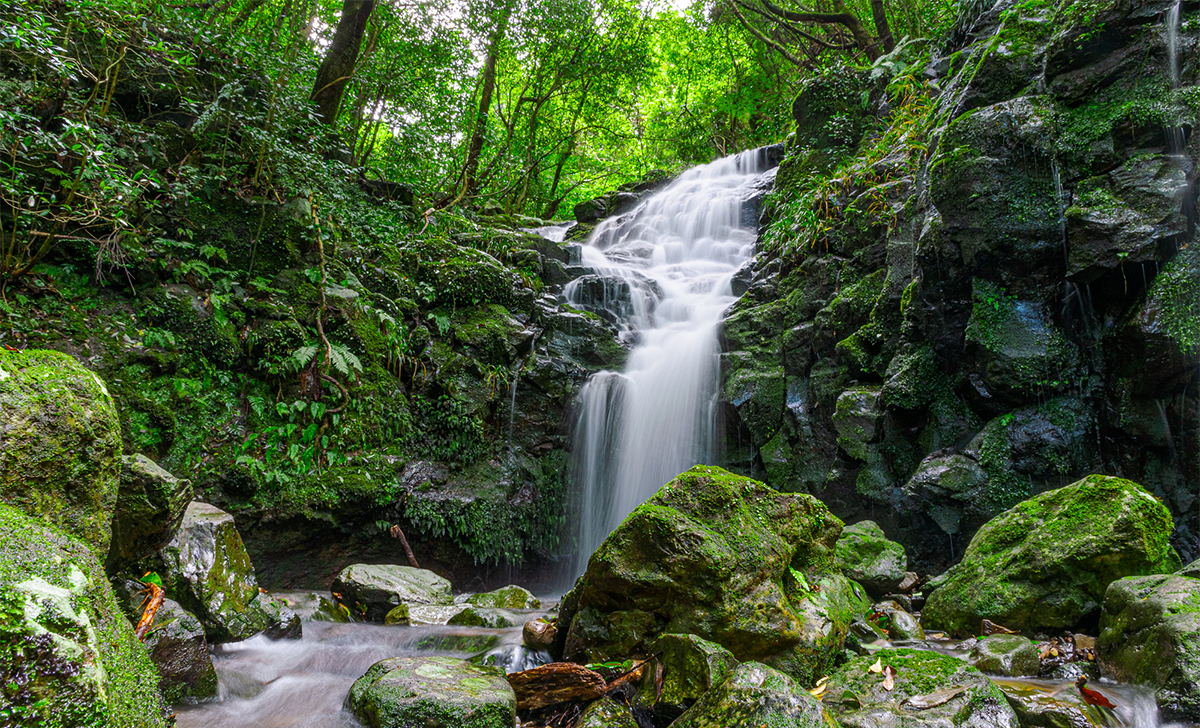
(932, 700)
(889, 678)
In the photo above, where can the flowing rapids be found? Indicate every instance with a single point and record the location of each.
(662, 272)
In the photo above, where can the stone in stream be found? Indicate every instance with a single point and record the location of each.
(606, 713)
(725, 558)
(510, 597)
(432, 614)
(60, 444)
(432, 692)
(68, 656)
(1038, 706)
(370, 591)
(483, 617)
(1010, 655)
(1150, 635)
(206, 569)
(398, 615)
(538, 634)
(754, 695)
(150, 507)
(868, 557)
(900, 624)
(928, 690)
(1046, 562)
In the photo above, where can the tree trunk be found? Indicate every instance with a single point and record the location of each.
(882, 29)
(338, 66)
(479, 131)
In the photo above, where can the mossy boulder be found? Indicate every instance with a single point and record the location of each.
(150, 507)
(1046, 562)
(606, 713)
(691, 667)
(754, 695)
(68, 655)
(868, 557)
(510, 597)
(929, 690)
(432, 692)
(1010, 655)
(60, 444)
(857, 419)
(725, 558)
(370, 591)
(205, 568)
(1150, 635)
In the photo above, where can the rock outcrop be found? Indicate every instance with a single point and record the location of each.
(1047, 562)
(509, 597)
(149, 510)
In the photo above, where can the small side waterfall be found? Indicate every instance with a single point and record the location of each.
(1173, 16)
(662, 273)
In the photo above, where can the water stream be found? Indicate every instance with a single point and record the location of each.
(661, 273)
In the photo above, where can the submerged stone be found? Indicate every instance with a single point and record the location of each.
(1046, 562)
(432, 692)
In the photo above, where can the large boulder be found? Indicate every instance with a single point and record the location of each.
(60, 444)
(868, 557)
(928, 690)
(1150, 635)
(754, 695)
(68, 655)
(725, 558)
(176, 644)
(370, 591)
(1046, 562)
(205, 568)
(150, 506)
(691, 667)
(432, 692)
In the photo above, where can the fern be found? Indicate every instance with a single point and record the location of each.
(301, 357)
(343, 359)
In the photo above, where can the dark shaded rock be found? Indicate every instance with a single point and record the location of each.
(538, 634)
(606, 713)
(1046, 562)
(150, 506)
(691, 667)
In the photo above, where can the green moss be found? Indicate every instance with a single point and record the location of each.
(1177, 291)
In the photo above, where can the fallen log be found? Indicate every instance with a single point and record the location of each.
(558, 682)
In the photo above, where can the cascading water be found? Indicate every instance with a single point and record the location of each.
(1173, 17)
(662, 273)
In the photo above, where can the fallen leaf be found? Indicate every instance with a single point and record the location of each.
(849, 698)
(878, 666)
(819, 691)
(932, 700)
(889, 678)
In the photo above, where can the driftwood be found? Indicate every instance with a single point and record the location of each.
(558, 682)
(408, 552)
(150, 607)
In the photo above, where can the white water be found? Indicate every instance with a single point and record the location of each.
(1173, 16)
(665, 271)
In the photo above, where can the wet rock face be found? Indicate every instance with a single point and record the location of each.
(1047, 562)
(928, 690)
(434, 692)
(60, 445)
(206, 568)
(724, 558)
(68, 654)
(754, 695)
(691, 667)
(868, 557)
(1150, 635)
(370, 591)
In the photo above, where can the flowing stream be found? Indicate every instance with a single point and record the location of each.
(662, 273)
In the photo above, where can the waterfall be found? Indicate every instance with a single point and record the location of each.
(1173, 41)
(661, 273)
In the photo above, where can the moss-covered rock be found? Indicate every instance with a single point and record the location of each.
(509, 597)
(1046, 562)
(370, 591)
(1150, 635)
(691, 667)
(488, 617)
(868, 557)
(857, 420)
(606, 713)
(754, 695)
(432, 692)
(176, 644)
(463, 276)
(205, 568)
(68, 655)
(929, 690)
(150, 506)
(1010, 655)
(60, 444)
(725, 558)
